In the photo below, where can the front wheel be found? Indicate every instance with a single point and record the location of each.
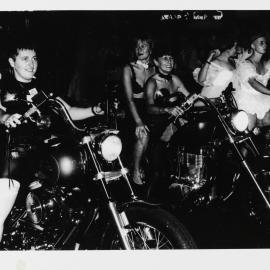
(150, 229)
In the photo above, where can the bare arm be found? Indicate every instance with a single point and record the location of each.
(258, 86)
(204, 70)
(127, 77)
(77, 113)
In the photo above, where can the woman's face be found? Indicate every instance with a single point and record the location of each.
(165, 64)
(142, 50)
(259, 45)
(24, 65)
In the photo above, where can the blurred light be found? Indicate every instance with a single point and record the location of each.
(111, 148)
(240, 121)
(66, 165)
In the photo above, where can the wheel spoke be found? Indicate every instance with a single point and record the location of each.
(164, 241)
(131, 239)
(142, 237)
(143, 234)
(157, 238)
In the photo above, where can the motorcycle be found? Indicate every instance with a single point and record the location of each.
(80, 196)
(217, 159)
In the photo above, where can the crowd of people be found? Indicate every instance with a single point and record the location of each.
(152, 84)
(150, 93)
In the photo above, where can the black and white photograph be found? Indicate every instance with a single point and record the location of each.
(145, 131)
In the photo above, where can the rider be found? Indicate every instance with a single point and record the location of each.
(217, 72)
(163, 91)
(135, 74)
(16, 90)
(252, 75)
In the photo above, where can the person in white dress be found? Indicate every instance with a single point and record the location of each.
(251, 78)
(217, 71)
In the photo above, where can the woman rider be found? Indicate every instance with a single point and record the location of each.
(252, 76)
(163, 91)
(135, 75)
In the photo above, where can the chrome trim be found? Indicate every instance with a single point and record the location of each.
(111, 175)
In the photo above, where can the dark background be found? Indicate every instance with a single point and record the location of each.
(82, 52)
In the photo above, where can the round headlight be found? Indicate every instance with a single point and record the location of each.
(111, 147)
(239, 121)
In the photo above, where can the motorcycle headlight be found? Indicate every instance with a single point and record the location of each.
(239, 121)
(111, 147)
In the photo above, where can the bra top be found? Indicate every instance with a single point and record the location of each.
(163, 98)
(136, 88)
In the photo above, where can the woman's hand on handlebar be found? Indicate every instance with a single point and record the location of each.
(182, 121)
(174, 111)
(97, 110)
(13, 120)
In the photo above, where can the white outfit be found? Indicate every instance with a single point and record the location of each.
(217, 80)
(247, 98)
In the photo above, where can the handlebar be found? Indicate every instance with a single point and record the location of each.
(57, 104)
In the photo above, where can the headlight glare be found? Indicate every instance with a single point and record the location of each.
(111, 147)
(239, 121)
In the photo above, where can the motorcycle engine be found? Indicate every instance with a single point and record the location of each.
(51, 215)
(191, 173)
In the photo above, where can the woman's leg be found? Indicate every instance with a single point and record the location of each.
(265, 122)
(139, 149)
(252, 121)
(8, 194)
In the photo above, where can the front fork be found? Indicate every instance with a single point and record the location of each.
(247, 167)
(121, 223)
(253, 178)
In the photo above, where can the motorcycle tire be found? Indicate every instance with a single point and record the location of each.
(166, 232)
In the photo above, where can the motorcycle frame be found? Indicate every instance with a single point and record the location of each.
(119, 217)
(235, 142)
(116, 210)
